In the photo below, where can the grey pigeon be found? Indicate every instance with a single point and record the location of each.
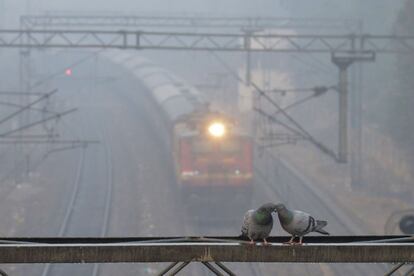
(257, 224)
(298, 223)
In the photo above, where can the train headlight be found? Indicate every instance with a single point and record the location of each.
(217, 129)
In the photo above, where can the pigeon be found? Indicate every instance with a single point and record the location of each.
(298, 223)
(257, 224)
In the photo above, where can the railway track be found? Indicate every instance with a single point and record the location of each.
(70, 206)
(88, 210)
(145, 190)
(108, 198)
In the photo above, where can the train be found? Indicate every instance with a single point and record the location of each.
(212, 155)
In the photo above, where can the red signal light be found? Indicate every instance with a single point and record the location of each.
(68, 72)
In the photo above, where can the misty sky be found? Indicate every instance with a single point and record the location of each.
(377, 14)
(211, 6)
(10, 10)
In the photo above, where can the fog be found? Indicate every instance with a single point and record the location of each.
(122, 148)
(377, 15)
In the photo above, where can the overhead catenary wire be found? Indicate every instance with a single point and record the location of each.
(61, 71)
(28, 106)
(301, 130)
(318, 91)
(57, 116)
(43, 110)
(46, 141)
(275, 120)
(262, 94)
(18, 93)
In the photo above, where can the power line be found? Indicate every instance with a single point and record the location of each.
(43, 110)
(28, 106)
(297, 129)
(56, 116)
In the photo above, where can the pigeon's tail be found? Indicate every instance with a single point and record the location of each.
(322, 232)
(244, 230)
(243, 236)
(319, 225)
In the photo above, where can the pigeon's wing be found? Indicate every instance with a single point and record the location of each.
(259, 231)
(301, 224)
(247, 221)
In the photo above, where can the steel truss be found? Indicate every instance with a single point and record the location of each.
(235, 42)
(352, 249)
(181, 21)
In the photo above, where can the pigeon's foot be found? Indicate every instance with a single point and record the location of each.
(265, 243)
(291, 241)
(300, 242)
(251, 242)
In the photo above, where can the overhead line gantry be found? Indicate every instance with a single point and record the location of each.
(344, 49)
(235, 42)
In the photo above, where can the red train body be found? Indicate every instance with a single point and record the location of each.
(213, 171)
(202, 163)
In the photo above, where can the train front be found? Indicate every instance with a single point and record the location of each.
(214, 166)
